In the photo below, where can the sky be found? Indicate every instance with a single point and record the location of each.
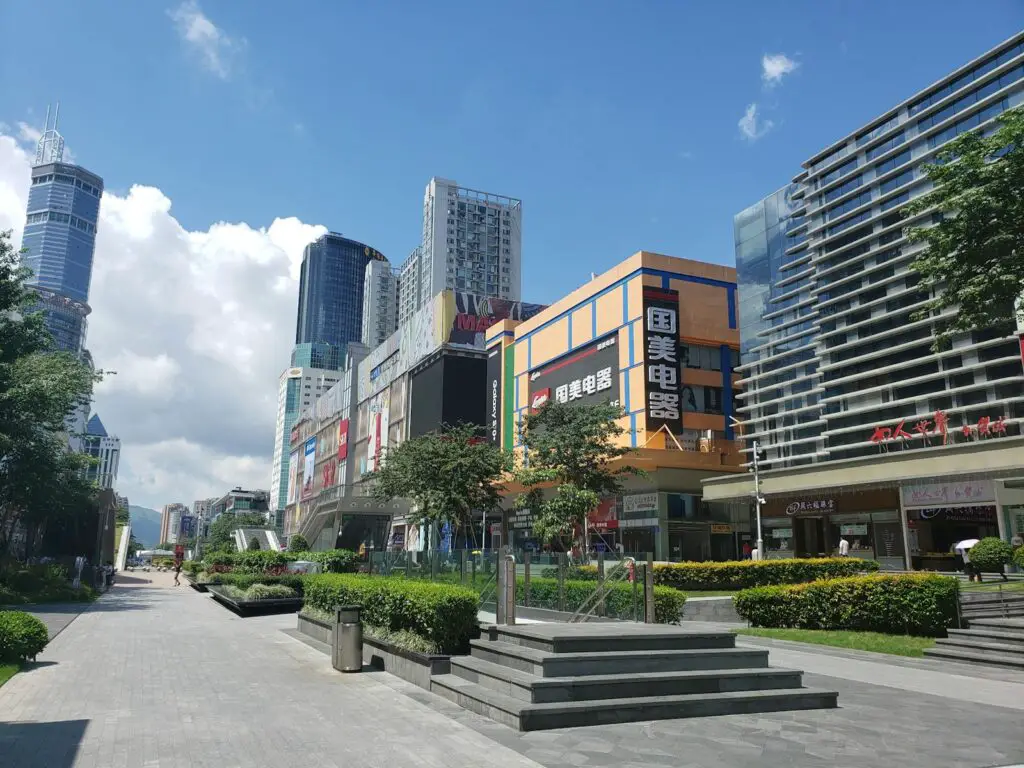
(230, 134)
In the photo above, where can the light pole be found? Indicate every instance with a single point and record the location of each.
(758, 500)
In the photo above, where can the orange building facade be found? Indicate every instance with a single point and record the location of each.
(657, 336)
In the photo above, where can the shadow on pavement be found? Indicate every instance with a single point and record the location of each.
(30, 665)
(32, 745)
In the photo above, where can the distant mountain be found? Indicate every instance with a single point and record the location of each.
(145, 525)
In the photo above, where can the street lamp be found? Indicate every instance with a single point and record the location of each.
(758, 499)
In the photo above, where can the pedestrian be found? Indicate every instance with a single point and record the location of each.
(177, 572)
(747, 550)
(844, 547)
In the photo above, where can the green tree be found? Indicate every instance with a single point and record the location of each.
(447, 475)
(254, 544)
(221, 536)
(975, 255)
(570, 450)
(298, 543)
(42, 484)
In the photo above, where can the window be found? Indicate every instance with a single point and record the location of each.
(885, 146)
(837, 228)
(893, 162)
(839, 172)
(847, 186)
(878, 130)
(893, 202)
(854, 202)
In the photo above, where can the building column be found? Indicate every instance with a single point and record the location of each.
(905, 529)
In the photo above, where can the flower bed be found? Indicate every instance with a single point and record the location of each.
(445, 615)
(898, 604)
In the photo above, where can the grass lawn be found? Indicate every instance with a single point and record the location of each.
(898, 645)
(7, 671)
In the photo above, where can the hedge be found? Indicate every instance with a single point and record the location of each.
(443, 614)
(22, 636)
(739, 574)
(1018, 557)
(332, 561)
(245, 580)
(668, 603)
(991, 554)
(915, 604)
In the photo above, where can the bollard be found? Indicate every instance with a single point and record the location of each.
(499, 589)
(509, 596)
(600, 584)
(347, 639)
(464, 559)
(526, 579)
(561, 581)
(649, 589)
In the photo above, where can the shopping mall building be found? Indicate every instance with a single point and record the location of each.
(867, 432)
(657, 336)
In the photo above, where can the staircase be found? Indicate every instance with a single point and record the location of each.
(996, 642)
(996, 604)
(543, 676)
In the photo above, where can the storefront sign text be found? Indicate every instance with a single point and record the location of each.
(818, 505)
(944, 494)
(937, 426)
(960, 514)
(661, 359)
(721, 528)
(640, 502)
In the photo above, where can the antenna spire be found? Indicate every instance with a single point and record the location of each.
(50, 147)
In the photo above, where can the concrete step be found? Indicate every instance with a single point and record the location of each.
(622, 636)
(546, 664)
(526, 716)
(952, 653)
(977, 644)
(534, 689)
(1002, 624)
(992, 612)
(721, 609)
(984, 635)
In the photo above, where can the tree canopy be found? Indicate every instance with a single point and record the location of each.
(447, 475)
(975, 255)
(570, 449)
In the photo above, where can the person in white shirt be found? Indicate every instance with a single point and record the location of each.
(844, 547)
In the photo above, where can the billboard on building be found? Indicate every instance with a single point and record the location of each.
(186, 527)
(472, 315)
(308, 466)
(293, 477)
(379, 421)
(587, 375)
(343, 439)
(662, 379)
(494, 391)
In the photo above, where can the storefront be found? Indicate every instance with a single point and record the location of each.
(941, 514)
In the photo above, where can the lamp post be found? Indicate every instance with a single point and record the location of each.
(758, 499)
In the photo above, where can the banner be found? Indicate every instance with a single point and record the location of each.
(494, 394)
(663, 382)
(308, 467)
(473, 315)
(343, 439)
(187, 527)
(293, 477)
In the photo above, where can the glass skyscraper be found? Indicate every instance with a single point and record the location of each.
(331, 290)
(60, 239)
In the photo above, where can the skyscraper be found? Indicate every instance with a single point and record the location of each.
(472, 241)
(60, 238)
(380, 303)
(105, 449)
(331, 290)
(408, 286)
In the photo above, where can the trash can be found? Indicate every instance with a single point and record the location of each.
(347, 639)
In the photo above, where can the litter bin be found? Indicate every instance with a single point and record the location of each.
(347, 650)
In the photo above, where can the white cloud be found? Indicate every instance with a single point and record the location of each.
(218, 51)
(752, 125)
(775, 66)
(198, 326)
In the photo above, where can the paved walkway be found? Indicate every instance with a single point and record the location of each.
(153, 675)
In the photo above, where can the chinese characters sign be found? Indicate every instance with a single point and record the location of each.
(817, 505)
(937, 428)
(948, 494)
(589, 375)
(661, 356)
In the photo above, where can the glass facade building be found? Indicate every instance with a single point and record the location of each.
(60, 240)
(832, 347)
(331, 290)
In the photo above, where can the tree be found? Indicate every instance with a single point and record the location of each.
(42, 484)
(298, 543)
(254, 544)
(991, 554)
(975, 255)
(221, 536)
(569, 447)
(447, 475)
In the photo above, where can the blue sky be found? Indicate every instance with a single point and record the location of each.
(614, 122)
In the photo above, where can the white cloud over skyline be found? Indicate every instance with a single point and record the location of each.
(775, 66)
(752, 125)
(218, 52)
(198, 326)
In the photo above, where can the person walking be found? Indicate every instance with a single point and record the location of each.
(177, 572)
(844, 547)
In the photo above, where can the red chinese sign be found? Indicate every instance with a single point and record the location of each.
(937, 426)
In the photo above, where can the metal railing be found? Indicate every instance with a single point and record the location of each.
(623, 570)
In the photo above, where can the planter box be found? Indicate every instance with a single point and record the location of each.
(256, 607)
(413, 667)
(198, 586)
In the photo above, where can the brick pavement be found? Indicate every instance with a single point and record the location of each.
(156, 676)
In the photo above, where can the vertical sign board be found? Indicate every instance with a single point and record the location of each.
(663, 383)
(494, 394)
(308, 465)
(343, 439)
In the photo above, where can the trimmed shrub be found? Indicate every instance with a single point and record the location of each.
(22, 636)
(298, 543)
(333, 560)
(990, 555)
(915, 604)
(443, 614)
(245, 580)
(668, 603)
(254, 544)
(1018, 557)
(269, 592)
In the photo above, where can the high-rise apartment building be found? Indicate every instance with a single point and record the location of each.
(331, 290)
(170, 521)
(408, 286)
(472, 242)
(60, 238)
(380, 303)
(105, 450)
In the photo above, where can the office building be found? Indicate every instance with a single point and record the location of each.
(238, 501)
(868, 432)
(105, 450)
(60, 238)
(331, 290)
(380, 303)
(472, 241)
(170, 522)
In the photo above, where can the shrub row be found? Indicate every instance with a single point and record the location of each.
(244, 581)
(259, 592)
(22, 636)
(261, 561)
(619, 601)
(443, 614)
(899, 604)
(739, 574)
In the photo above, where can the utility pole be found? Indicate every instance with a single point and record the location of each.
(758, 499)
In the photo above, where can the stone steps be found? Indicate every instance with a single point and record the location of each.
(719, 609)
(544, 676)
(995, 642)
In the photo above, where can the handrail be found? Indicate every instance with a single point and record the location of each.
(618, 573)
